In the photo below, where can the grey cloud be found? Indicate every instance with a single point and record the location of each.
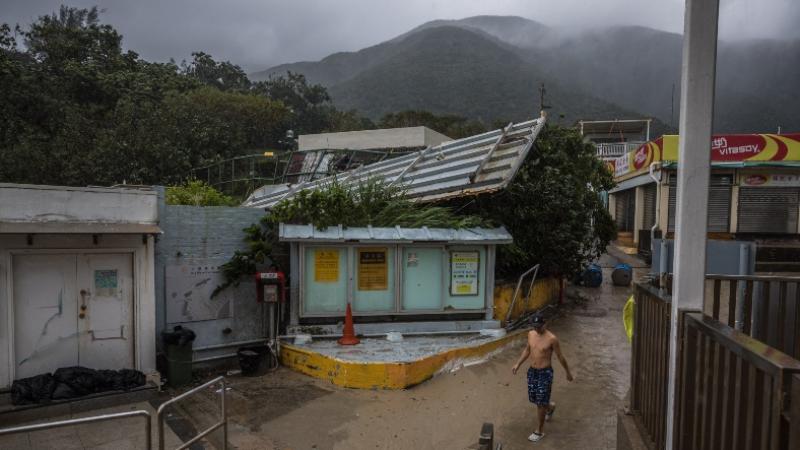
(258, 34)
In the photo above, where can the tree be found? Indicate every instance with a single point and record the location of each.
(223, 75)
(310, 105)
(197, 193)
(552, 208)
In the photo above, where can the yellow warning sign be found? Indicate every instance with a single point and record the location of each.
(373, 273)
(464, 273)
(326, 265)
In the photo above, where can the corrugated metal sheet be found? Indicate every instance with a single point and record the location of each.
(483, 163)
(719, 202)
(650, 192)
(768, 209)
(309, 233)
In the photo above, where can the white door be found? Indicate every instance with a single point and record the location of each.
(72, 310)
(105, 314)
(45, 313)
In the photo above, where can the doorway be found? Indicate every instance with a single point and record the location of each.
(72, 309)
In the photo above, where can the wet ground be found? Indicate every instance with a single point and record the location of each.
(286, 410)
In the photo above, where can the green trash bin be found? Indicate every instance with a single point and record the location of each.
(178, 351)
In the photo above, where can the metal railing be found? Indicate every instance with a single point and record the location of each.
(616, 149)
(223, 423)
(535, 271)
(766, 308)
(650, 362)
(734, 392)
(84, 420)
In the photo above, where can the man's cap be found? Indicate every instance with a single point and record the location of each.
(537, 320)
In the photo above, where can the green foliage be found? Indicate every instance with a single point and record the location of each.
(370, 203)
(552, 208)
(75, 109)
(197, 193)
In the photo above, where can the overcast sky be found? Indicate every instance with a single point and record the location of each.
(257, 34)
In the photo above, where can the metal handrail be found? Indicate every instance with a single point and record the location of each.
(790, 279)
(83, 420)
(535, 270)
(223, 423)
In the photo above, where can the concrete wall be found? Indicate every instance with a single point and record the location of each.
(40, 204)
(372, 139)
(208, 237)
(545, 291)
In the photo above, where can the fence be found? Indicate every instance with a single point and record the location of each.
(649, 364)
(223, 422)
(733, 389)
(84, 420)
(766, 308)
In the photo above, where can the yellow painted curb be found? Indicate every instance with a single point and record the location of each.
(382, 375)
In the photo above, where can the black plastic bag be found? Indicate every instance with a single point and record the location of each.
(37, 389)
(178, 336)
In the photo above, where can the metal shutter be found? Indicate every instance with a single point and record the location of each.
(650, 191)
(623, 204)
(673, 196)
(768, 209)
(719, 202)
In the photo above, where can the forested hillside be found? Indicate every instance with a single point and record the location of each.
(602, 73)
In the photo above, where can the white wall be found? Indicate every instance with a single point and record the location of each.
(144, 290)
(372, 139)
(48, 204)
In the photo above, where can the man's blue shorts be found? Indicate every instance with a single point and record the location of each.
(539, 383)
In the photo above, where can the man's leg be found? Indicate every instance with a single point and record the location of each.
(542, 410)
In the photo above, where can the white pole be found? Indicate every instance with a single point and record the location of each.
(694, 151)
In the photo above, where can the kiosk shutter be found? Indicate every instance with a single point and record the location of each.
(768, 209)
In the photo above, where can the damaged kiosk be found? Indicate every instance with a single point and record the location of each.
(395, 279)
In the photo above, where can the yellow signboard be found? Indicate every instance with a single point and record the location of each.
(326, 265)
(464, 273)
(373, 272)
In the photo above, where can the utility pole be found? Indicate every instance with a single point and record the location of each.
(694, 170)
(542, 92)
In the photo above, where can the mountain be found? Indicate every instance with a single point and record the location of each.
(490, 67)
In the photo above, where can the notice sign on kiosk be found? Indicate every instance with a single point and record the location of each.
(464, 273)
(326, 265)
(373, 273)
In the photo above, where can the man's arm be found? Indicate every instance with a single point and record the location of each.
(525, 353)
(561, 358)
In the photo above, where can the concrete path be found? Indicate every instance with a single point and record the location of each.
(120, 434)
(286, 410)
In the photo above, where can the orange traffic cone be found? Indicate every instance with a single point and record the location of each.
(349, 335)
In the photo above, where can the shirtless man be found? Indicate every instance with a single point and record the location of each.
(541, 344)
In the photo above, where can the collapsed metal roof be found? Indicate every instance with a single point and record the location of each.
(309, 233)
(474, 165)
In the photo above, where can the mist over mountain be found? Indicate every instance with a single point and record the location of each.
(490, 67)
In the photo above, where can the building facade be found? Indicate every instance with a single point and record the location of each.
(754, 191)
